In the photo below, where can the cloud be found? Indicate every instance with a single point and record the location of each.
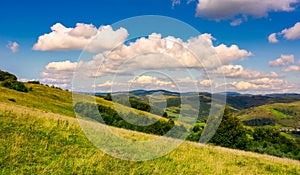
(267, 85)
(59, 73)
(229, 9)
(175, 2)
(206, 82)
(272, 38)
(236, 22)
(238, 72)
(178, 2)
(292, 33)
(156, 52)
(291, 68)
(242, 85)
(62, 38)
(61, 66)
(13, 46)
(150, 80)
(284, 60)
(149, 53)
(232, 53)
(81, 30)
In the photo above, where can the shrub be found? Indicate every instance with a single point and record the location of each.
(108, 97)
(270, 141)
(111, 117)
(15, 85)
(6, 76)
(34, 82)
(12, 99)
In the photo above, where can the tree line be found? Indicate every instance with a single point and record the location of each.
(107, 115)
(232, 133)
(9, 80)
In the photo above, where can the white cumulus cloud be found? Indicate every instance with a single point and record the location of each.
(291, 68)
(272, 38)
(262, 85)
(284, 60)
(150, 53)
(63, 38)
(231, 53)
(291, 33)
(59, 73)
(238, 72)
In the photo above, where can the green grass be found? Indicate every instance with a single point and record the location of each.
(38, 142)
(284, 114)
(39, 135)
(41, 97)
(57, 101)
(275, 112)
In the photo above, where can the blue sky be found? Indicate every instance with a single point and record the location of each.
(23, 22)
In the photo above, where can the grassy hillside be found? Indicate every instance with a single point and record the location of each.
(55, 100)
(33, 141)
(40, 97)
(279, 114)
(39, 135)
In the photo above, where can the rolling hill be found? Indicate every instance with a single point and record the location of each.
(39, 135)
(277, 114)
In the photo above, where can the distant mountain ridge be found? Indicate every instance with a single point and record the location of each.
(234, 99)
(167, 92)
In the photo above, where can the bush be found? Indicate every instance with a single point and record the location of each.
(270, 141)
(108, 97)
(15, 85)
(111, 117)
(6, 76)
(34, 82)
(12, 99)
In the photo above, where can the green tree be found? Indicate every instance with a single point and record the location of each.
(165, 115)
(231, 132)
(6, 75)
(108, 97)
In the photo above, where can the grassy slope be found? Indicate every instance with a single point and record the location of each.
(39, 136)
(41, 97)
(284, 114)
(36, 142)
(55, 100)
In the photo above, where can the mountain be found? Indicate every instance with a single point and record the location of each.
(234, 99)
(284, 95)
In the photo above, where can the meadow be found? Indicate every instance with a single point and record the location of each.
(39, 135)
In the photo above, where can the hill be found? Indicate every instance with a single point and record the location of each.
(278, 114)
(39, 134)
(34, 141)
(237, 101)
